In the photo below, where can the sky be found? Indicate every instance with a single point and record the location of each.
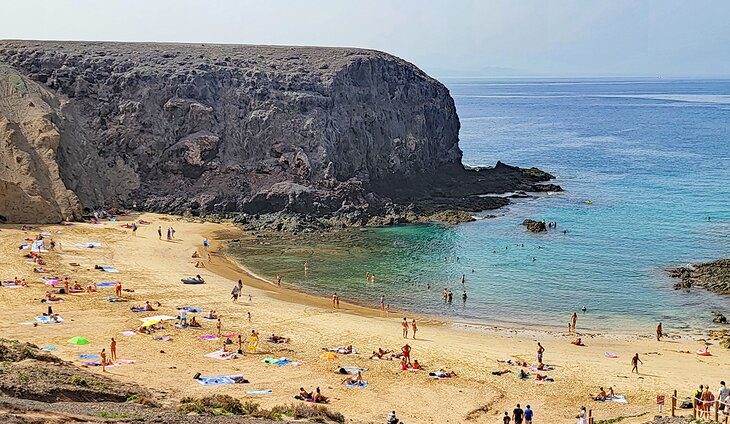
(445, 38)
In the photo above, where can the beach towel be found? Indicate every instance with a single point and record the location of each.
(341, 350)
(51, 281)
(616, 399)
(115, 299)
(128, 333)
(115, 363)
(89, 356)
(51, 301)
(158, 318)
(222, 379)
(107, 284)
(349, 369)
(439, 375)
(259, 392)
(208, 337)
(109, 269)
(136, 309)
(45, 319)
(545, 368)
(220, 355)
(356, 384)
(283, 361)
(610, 355)
(48, 348)
(190, 308)
(88, 244)
(163, 339)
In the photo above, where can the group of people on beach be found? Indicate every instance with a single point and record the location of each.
(706, 401)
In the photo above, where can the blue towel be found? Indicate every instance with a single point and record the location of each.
(360, 384)
(282, 362)
(106, 284)
(49, 348)
(191, 309)
(89, 356)
(215, 380)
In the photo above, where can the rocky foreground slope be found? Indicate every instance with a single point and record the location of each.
(217, 129)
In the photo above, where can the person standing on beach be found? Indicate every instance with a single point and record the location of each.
(134, 229)
(172, 233)
(159, 232)
(118, 289)
(113, 349)
(205, 244)
(635, 363)
(103, 360)
(169, 233)
(406, 351)
(278, 280)
(659, 333)
(573, 321)
(218, 327)
(235, 292)
(405, 327)
(382, 302)
(540, 351)
(415, 328)
(334, 300)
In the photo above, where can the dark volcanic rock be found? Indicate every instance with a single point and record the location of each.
(535, 226)
(713, 276)
(329, 133)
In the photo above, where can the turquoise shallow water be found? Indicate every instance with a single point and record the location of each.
(652, 155)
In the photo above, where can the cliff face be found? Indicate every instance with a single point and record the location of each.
(31, 189)
(219, 128)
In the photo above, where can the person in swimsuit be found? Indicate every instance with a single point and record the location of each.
(159, 232)
(113, 349)
(659, 333)
(635, 363)
(540, 351)
(406, 351)
(103, 360)
(415, 328)
(404, 324)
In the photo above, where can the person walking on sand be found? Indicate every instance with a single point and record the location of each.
(635, 363)
(659, 333)
(235, 292)
(278, 280)
(506, 419)
(540, 351)
(172, 233)
(113, 349)
(159, 232)
(382, 302)
(405, 328)
(528, 415)
(415, 328)
(206, 244)
(118, 289)
(134, 229)
(334, 300)
(518, 414)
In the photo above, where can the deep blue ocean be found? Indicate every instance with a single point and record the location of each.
(653, 157)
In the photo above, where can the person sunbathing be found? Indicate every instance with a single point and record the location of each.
(540, 366)
(52, 298)
(578, 342)
(522, 375)
(346, 351)
(610, 393)
(318, 397)
(379, 354)
(502, 372)
(212, 314)
(194, 323)
(353, 380)
(148, 307)
(600, 396)
(278, 339)
(416, 365)
(91, 288)
(404, 364)
(303, 394)
(76, 288)
(543, 377)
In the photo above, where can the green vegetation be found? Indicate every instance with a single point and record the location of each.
(114, 415)
(227, 405)
(77, 380)
(619, 419)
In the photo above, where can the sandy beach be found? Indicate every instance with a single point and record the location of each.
(153, 269)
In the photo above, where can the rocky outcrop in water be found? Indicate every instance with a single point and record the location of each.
(713, 276)
(535, 226)
(263, 133)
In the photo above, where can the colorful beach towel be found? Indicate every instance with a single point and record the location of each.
(107, 284)
(88, 244)
(190, 308)
(109, 269)
(89, 356)
(610, 355)
(208, 337)
(616, 399)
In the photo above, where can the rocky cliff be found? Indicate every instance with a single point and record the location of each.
(218, 129)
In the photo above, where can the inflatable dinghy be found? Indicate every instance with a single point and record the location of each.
(192, 280)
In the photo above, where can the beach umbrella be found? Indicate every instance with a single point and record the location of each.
(150, 322)
(78, 340)
(330, 356)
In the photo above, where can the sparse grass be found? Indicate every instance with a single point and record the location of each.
(113, 415)
(77, 380)
(227, 405)
(619, 419)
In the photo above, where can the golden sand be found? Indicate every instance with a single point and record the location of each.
(153, 268)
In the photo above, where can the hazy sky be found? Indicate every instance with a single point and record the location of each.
(445, 38)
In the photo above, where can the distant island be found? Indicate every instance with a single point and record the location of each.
(284, 138)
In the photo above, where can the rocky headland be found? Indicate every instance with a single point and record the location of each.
(713, 276)
(278, 137)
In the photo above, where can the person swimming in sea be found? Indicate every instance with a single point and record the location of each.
(463, 297)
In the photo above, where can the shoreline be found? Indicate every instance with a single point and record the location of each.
(298, 294)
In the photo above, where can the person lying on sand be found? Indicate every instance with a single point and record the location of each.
(354, 379)
(380, 354)
(522, 375)
(600, 396)
(578, 342)
(502, 372)
(278, 339)
(194, 323)
(52, 298)
(91, 288)
(317, 397)
(303, 394)
(212, 314)
(76, 288)
(148, 307)
(543, 377)
(416, 365)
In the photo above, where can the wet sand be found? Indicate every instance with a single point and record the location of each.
(153, 268)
